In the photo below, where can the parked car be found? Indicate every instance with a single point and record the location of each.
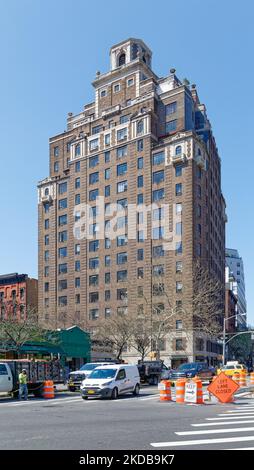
(232, 368)
(192, 369)
(76, 377)
(111, 381)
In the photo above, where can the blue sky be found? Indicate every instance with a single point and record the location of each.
(50, 51)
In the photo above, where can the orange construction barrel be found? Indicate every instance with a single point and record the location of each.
(48, 389)
(180, 390)
(165, 390)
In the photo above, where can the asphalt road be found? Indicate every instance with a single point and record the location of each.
(133, 423)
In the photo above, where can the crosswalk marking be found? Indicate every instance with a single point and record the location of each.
(197, 442)
(213, 431)
(223, 423)
(237, 414)
(227, 417)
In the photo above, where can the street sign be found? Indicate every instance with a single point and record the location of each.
(190, 395)
(223, 388)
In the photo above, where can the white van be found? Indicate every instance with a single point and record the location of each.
(111, 380)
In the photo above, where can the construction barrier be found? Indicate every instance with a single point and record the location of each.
(252, 378)
(236, 378)
(165, 390)
(200, 399)
(242, 382)
(48, 389)
(180, 390)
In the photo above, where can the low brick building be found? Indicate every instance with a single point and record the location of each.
(17, 292)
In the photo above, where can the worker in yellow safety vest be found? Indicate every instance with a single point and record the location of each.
(23, 390)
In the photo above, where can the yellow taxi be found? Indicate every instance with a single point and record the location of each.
(231, 368)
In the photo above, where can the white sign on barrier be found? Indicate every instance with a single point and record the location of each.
(162, 386)
(190, 395)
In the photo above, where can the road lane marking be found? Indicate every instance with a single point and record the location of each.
(230, 417)
(197, 442)
(238, 414)
(223, 423)
(240, 448)
(43, 401)
(213, 431)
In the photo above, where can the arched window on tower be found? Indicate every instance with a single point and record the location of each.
(121, 60)
(178, 150)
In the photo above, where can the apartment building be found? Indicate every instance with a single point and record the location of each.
(145, 142)
(17, 293)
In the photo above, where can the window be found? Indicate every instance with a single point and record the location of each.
(62, 301)
(179, 248)
(107, 295)
(62, 204)
(46, 271)
(199, 230)
(77, 167)
(178, 170)
(93, 161)
(158, 177)
(77, 282)
(122, 294)
(140, 291)
(140, 254)
(46, 207)
(179, 266)
(171, 108)
(77, 150)
(94, 314)
(77, 266)
(122, 221)
(93, 263)
(56, 151)
(124, 119)
(122, 311)
(94, 245)
(121, 276)
(158, 251)
(93, 144)
(179, 344)
(56, 167)
(46, 302)
(46, 224)
(178, 150)
(122, 134)
(178, 189)
(77, 299)
(123, 202)
(158, 233)
(117, 87)
(122, 169)
(94, 178)
(179, 287)
(107, 173)
(106, 157)
(107, 278)
(62, 188)
(77, 183)
(158, 194)
(107, 312)
(199, 211)
(93, 194)
(46, 240)
(103, 93)
(46, 255)
(107, 260)
(199, 193)
(140, 181)
(171, 126)
(77, 249)
(140, 163)
(158, 270)
(122, 186)
(121, 258)
(62, 284)
(77, 199)
(179, 305)
(179, 228)
(179, 208)
(140, 145)
(158, 158)
(63, 236)
(62, 268)
(140, 127)
(130, 82)
(140, 236)
(121, 151)
(122, 240)
(199, 249)
(94, 280)
(140, 199)
(107, 191)
(62, 220)
(96, 129)
(62, 252)
(140, 273)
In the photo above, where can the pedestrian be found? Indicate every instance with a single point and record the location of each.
(23, 390)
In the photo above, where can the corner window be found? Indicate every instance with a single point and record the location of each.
(117, 88)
